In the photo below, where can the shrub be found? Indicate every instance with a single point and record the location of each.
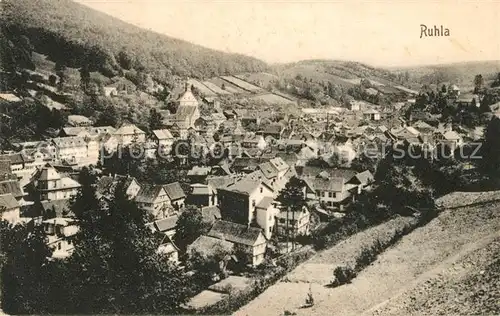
(342, 275)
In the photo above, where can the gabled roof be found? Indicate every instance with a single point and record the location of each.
(12, 187)
(451, 135)
(220, 182)
(207, 246)
(235, 233)
(163, 134)
(268, 170)
(199, 171)
(148, 193)
(128, 129)
(246, 186)
(174, 191)
(69, 142)
(8, 201)
(265, 203)
(15, 158)
(332, 184)
(279, 164)
(364, 177)
(166, 224)
(201, 189)
(210, 213)
(48, 174)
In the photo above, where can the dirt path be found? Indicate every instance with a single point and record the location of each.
(418, 256)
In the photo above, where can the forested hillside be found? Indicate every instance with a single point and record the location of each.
(74, 35)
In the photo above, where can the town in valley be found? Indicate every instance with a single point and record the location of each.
(140, 174)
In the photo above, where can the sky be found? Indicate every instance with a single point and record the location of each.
(380, 33)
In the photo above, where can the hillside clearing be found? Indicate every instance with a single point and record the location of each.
(455, 231)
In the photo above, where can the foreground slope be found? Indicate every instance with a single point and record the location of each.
(470, 224)
(75, 34)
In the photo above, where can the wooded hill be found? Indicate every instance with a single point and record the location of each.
(75, 35)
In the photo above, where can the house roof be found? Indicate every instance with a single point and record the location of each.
(174, 191)
(265, 203)
(128, 129)
(333, 184)
(67, 182)
(451, 135)
(199, 171)
(166, 224)
(275, 128)
(364, 177)
(210, 213)
(15, 158)
(371, 111)
(207, 246)
(279, 164)
(12, 187)
(235, 233)
(245, 186)
(218, 117)
(268, 170)
(59, 206)
(201, 189)
(8, 201)
(69, 142)
(148, 193)
(78, 119)
(163, 134)
(220, 182)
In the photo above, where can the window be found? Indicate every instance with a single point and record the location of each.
(330, 194)
(253, 202)
(59, 245)
(270, 229)
(261, 189)
(292, 222)
(282, 220)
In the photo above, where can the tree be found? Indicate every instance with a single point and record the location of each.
(116, 267)
(443, 89)
(478, 83)
(496, 82)
(190, 226)
(23, 258)
(292, 199)
(155, 120)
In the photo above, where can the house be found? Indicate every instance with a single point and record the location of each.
(238, 201)
(450, 139)
(110, 91)
(253, 141)
(454, 91)
(274, 130)
(86, 131)
(167, 225)
(51, 185)
(176, 194)
(169, 249)
(208, 247)
(202, 195)
(129, 133)
(266, 211)
(164, 139)
(422, 127)
(248, 241)
(372, 115)
(79, 121)
(9, 208)
(198, 174)
(210, 214)
(106, 186)
(363, 180)
(78, 150)
(295, 222)
(14, 187)
(154, 199)
(60, 232)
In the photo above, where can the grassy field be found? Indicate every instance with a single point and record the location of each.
(271, 98)
(469, 223)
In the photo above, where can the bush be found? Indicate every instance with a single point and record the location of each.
(342, 275)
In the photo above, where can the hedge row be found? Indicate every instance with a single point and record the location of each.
(238, 299)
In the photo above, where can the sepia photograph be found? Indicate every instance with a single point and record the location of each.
(238, 157)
